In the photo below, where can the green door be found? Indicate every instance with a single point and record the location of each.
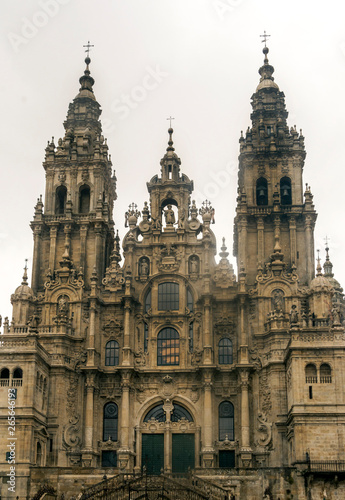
(152, 455)
(183, 453)
(226, 459)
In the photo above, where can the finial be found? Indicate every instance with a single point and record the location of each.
(265, 49)
(170, 118)
(318, 268)
(264, 36)
(25, 275)
(170, 142)
(87, 59)
(328, 266)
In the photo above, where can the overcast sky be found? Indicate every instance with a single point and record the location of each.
(196, 60)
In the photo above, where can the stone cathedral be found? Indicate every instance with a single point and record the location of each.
(151, 357)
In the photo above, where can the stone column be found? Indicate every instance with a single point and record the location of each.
(124, 453)
(52, 250)
(207, 332)
(83, 234)
(261, 242)
(309, 241)
(246, 451)
(208, 452)
(243, 242)
(293, 243)
(126, 359)
(88, 456)
(36, 258)
(98, 250)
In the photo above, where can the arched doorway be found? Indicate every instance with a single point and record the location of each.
(168, 439)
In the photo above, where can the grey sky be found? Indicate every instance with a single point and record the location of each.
(196, 60)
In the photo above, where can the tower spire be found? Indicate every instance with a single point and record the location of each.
(328, 266)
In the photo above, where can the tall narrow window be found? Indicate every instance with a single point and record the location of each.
(148, 301)
(38, 454)
(261, 192)
(168, 297)
(191, 336)
(84, 200)
(112, 353)
(146, 337)
(60, 200)
(285, 191)
(225, 352)
(168, 347)
(110, 421)
(226, 421)
(189, 300)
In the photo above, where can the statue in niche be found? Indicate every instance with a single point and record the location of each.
(294, 315)
(169, 216)
(278, 302)
(194, 265)
(144, 267)
(62, 305)
(182, 216)
(336, 316)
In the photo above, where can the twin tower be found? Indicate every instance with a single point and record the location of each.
(164, 359)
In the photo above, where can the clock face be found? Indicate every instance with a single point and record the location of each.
(144, 226)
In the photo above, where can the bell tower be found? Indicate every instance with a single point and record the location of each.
(75, 229)
(275, 220)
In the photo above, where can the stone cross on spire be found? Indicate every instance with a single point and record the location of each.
(265, 36)
(170, 118)
(88, 46)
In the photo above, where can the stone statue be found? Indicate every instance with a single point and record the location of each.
(144, 267)
(294, 315)
(169, 215)
(193, 265)
(278, 301)
(62, 305)
(181, 219)
(336, 316)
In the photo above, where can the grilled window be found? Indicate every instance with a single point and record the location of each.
(110, 421)
(112, 353)
(226, 421)
(168, 347)
(168, 297)
(225, 355)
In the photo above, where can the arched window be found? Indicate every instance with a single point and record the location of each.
(325, 374)
(110, 421)
(225, 352)
(157, 413)
(4, 377)
(17, 379)
(180, 412)
(146, 337)
(189, 300)
(38, 454)
(84, 200)
(226, 421)
(60, 200)
(285, 191)
(168, 347)
(261, 192)
(112, 353)
(310, 374)
(168, 297)
(148, 301)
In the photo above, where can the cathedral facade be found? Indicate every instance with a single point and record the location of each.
(165, 360)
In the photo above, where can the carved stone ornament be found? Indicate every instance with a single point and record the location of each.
(169, 258)
(264, 431)
(64, 277)
(113, 328)
(71, 437)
